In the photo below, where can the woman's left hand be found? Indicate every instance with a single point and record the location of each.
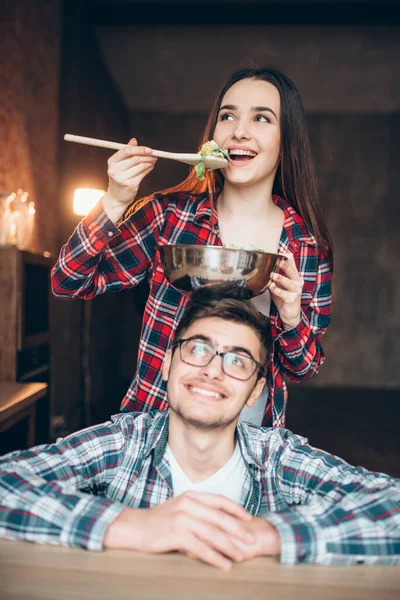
(285, 290)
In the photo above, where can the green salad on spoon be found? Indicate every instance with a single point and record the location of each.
(208, 149)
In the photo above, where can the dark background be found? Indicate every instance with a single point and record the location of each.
(117, 69)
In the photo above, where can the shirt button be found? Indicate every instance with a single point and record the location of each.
(110, 234)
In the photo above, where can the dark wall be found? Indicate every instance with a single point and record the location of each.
(29, 73)
(357, 424)
(86, 345)
(357, 156)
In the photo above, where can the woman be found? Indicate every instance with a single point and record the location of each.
(265, 197)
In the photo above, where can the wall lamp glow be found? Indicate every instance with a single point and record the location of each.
(85, 199)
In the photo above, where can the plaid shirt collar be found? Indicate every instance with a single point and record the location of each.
(294, 225)
(205, 209)
(157, 439)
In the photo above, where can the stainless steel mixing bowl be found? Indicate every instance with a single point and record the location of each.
(189, 267)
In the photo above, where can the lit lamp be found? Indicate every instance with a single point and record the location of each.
(85, 199)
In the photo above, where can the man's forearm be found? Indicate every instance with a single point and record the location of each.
(362, 528)
(40, 489)
(43, 512)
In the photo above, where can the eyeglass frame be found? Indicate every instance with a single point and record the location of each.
(258, 366)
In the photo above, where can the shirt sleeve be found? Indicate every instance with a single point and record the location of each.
(300, 349)
(100, 257)
(337, 514)
(55, 494)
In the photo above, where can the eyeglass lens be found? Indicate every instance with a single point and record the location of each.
(199, 354)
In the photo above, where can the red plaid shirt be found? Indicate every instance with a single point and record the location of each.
(101, 257)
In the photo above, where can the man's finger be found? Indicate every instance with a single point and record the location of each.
(216, 538)
(215, 515)
(196, 548)
(222, 503)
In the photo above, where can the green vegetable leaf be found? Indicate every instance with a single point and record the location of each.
(209, 149)
(200, 170)
(250, 247)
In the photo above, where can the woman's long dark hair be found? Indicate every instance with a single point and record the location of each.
(295, 178)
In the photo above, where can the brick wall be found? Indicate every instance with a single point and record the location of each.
(29, 72)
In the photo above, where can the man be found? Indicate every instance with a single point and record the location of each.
(253, 491)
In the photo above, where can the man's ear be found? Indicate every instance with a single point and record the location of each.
(258, 388)
(166, 364)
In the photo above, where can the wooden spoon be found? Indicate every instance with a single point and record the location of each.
(210, 162)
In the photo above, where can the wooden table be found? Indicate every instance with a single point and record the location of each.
(31, 571)
(17, 402)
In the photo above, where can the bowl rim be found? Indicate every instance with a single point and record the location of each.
(260, 252)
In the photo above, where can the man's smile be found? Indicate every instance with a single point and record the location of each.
(205, 391)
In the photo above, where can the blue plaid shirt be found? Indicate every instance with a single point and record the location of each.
(325, 510)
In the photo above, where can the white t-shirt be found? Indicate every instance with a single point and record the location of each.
(255, 413)
(228, 481)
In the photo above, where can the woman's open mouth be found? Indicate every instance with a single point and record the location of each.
(241, 157)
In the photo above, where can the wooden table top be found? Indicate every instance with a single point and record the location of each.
(31, 571)
(16, 396)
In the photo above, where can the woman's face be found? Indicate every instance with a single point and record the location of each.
(248, 126)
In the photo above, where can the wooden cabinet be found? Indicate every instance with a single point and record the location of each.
(25, 331)
(18, 414)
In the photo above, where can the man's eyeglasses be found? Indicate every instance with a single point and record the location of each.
(198, 353)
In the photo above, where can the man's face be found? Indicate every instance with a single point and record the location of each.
(205, 396)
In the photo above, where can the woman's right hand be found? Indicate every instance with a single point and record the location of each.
(126, 170)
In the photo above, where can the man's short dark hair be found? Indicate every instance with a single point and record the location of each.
(206, 304)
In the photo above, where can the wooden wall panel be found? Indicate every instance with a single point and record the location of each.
(9, 306)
